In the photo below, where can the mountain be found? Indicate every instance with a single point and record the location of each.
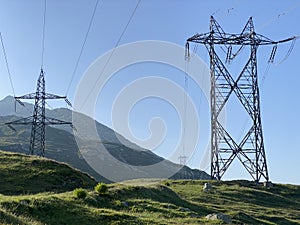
(143, 201)
(61, 145)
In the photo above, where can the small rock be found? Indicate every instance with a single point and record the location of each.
(169, 206)
(219, 216)
(24, 202)
(268, 184)
(193, 215)
(207, 187)
(182, 209)
(125, 204)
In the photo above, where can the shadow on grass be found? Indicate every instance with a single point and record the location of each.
(279, 220)
(247, 219)
(8, 218)
(58, 211)
(158, 193)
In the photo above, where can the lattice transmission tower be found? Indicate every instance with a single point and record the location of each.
(224, 148)
(38, 120)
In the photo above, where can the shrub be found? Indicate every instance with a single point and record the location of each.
(135, 209)
(118, 203)
(80, 193)
(131, 188)
(101, 188)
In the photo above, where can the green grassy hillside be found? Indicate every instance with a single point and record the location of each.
(134, 202)
(23, 174)
(61, 146)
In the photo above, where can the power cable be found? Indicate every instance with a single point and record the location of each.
(112, 52)
(43, 33)
(82, 47)
(7, 67)
(288, 52)
(186, 86)
(278, 16)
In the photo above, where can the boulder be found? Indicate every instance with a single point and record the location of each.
(207, 187)
(219, 216)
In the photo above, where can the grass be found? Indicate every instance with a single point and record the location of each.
(141, 201)
(245, 201)
(22, 174)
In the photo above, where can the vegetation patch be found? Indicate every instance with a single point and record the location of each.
(101, 188)
(23, 174)
(80, 193)
(134, 202)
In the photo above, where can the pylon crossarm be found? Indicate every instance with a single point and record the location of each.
(52, 121)
(200, 38)
(27, 96)
(53, 96)
(23, 121)
(248, 36)
(235, 39)
(33, 96)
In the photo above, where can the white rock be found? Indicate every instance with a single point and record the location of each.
(219, 216)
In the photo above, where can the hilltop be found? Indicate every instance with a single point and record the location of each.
(23, 174)
(141, 201)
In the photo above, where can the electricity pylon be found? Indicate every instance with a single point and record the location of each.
(38, 120)
(224, 148)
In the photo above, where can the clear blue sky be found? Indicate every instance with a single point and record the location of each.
(167, 20)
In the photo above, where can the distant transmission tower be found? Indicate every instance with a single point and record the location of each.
(224, 149)
(182, 160)
(38, 120)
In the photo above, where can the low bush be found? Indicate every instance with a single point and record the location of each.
(101, 188)
(80, 193)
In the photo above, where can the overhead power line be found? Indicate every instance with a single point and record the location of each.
(125, 28)
(82, 47)
(112, 52)
(43, 33)
(7, 67)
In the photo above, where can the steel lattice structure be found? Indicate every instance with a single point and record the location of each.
(38, 120)
(224, 149)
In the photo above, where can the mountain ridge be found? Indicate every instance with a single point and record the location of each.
(61, 144)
